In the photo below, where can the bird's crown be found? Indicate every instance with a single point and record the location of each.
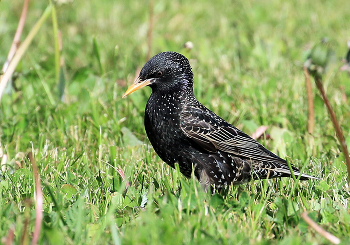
(167, 64)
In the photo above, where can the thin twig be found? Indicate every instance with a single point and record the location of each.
(150, 30)
(336, 125)
(38, 200)
(17, 39)
(333, 239)
(310, 102)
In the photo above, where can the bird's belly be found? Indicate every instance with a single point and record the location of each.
(166, 137)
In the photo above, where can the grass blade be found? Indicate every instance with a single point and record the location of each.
(56, 39)
(97, 54)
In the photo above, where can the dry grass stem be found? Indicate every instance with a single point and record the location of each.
(18, 34)
(336, 125)
(333, 239)
(10, 236)
(22, 49)
(259, 132)
(38, 201)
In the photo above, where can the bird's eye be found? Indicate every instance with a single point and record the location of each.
(159, 74)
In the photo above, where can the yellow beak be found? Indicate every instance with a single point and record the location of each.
(137, 85)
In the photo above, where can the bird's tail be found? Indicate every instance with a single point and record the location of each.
(305, 176)
(297, 173)
(273, 170)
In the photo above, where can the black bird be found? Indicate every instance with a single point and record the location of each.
(184, 131)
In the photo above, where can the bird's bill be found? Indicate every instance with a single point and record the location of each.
(137, 85)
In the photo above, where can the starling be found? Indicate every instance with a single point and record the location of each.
(182, 130)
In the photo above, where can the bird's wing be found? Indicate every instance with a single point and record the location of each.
(212, 134)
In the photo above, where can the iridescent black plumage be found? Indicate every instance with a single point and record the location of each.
(184, 131)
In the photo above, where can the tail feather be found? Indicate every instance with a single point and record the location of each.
(264, 170)
(306, 177)
(303, 176)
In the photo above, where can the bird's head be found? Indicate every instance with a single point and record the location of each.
(162, 72)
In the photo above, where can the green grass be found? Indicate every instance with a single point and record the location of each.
(247, 59)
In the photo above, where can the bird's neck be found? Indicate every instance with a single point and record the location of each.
(169, 102)
(181, 91)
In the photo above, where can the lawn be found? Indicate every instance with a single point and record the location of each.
(102, 182)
